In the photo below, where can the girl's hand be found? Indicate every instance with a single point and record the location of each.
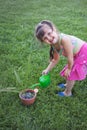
(67, 73)
(45, 72)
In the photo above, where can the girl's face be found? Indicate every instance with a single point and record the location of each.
(50, 35)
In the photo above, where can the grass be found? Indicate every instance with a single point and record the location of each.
(22, 60)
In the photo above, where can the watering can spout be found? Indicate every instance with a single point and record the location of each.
(44, 81)
(35, 85)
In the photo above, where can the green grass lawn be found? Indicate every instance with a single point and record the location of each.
(22, 59)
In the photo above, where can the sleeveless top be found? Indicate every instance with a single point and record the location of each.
(73, 41)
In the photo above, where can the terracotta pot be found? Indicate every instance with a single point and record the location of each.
(27, 101)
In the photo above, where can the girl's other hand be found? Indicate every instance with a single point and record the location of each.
(67, 73)
(44, 72)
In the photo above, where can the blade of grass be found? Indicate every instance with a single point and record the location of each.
(17, 77)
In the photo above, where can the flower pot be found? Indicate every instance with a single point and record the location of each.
(27, 96)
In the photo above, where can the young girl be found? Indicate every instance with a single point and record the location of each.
(73, 48)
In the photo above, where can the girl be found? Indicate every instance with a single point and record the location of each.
(73, 48)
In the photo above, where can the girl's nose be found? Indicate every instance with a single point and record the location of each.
(49, 37)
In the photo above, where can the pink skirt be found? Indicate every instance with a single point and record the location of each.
(79, 69)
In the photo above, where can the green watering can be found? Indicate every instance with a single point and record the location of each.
(44, 81)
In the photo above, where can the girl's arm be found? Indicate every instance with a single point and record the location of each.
(67, 45)
(52, 63)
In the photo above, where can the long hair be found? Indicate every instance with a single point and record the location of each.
(39, 33)
(51, 53)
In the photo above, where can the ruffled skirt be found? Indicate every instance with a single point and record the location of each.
(79, 69)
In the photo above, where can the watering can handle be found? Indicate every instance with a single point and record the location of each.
(45, 73)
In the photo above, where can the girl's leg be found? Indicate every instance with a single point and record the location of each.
(69, 86)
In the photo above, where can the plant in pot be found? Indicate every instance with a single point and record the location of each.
(27, 95)
(22, 75)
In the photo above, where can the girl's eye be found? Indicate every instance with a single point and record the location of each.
(49, 33)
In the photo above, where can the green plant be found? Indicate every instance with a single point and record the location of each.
(24, 73)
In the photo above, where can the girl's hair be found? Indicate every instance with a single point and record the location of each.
(51, 53)
(39, 32)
